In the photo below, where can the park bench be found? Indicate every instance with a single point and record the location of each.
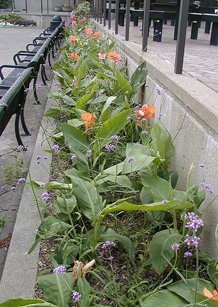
(158, 18)
(14, 87)
(13, 101)
(196, 18)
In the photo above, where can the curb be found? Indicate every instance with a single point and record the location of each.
(20, 269)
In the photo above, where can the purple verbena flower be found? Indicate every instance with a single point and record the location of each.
(129, 118)
(60, 270)
(175, 246)
(21, 180)
(51, 205)
(115, 138)
(207, 187)
(110, 147)
(3, 187)
(76, 296)
(152, 150)
(202, 165)
(73, 158)
(164, 202)
(45, 196)
(88, 153)
(110, 258)
(130, 159)
(192, 240)
(187, 254)
(193, 221)
(13, 189)
(56, 149)
(108, 244)
(145, 132)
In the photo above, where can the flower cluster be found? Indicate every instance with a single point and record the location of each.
(89, 119)
(207, 187)
(194, 223)
(56, 149)
(76, 296)
(74, 56)
(108, 244)
(130, 159)
(110, 147)
(113, 56)
(44, 196)
(192, 240)
(60, 270)
(115, 138)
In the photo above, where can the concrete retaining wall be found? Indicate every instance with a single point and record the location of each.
(197, 141)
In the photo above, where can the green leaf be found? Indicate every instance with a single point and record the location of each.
(52, 111)
(75, 138)
(138, 77)
(162, 244)
(111, 235)
(124, 85)
(66, 205)
(164, 299)
(17, 302)
(183, 289)
(146, 195)
(120, 180)
(82, 100)
(213, 273)
(111, 127)
(57, 288)
(89, 201)
(161, 189)
(105, 108)
(162, 144)
(69, 100)
(52, 226)
(141, 161)
(75, 122)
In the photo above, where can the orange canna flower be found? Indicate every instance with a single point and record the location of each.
(89, 32)
(148, 110)
(73, 23)
(74, 17)
(73, 39)
(89, 119)
(74, 56)
(96, 35)
(114, 56)
(213, 295)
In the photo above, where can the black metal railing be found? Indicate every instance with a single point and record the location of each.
(102, 10)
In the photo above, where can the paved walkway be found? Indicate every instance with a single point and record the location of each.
(201, 58)
(11, 41)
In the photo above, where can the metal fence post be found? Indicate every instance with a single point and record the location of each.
(116, 16)
(109, 15)
(145, 25)
(104, 12)
(97, 10)
(41, 7)
(127, 20)
(180, 46)
(100, 9)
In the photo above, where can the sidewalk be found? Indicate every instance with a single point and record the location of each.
(11, 41)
